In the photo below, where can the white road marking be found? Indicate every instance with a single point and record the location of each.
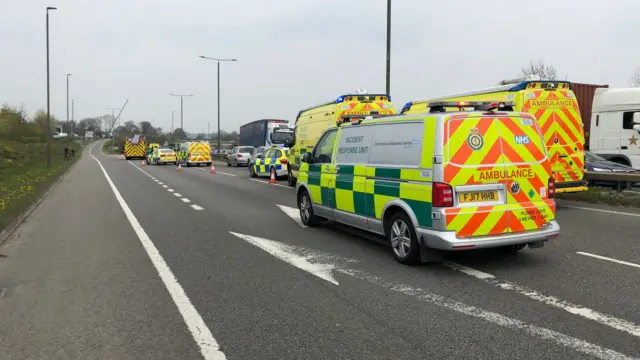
(604, 319)
(609, 259)
(185, 200)
(177, 194)
(218, 172)
(165, 186)
(600, 210)
(160, 183)
(492, 317)
(209, 347)
(293, 213)
(268, 183)
(197, 207)
(309, 261)
(170, 190)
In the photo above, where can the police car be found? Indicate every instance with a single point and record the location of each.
(439, 180)
(272, 162)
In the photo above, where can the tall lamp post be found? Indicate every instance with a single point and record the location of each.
(73, 117)
(218, 61)
(388, 47)
(181, 111)
(68, 127)
(48, 107)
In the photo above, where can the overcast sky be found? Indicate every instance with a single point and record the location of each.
(295, 54)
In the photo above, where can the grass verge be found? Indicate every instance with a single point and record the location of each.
(107, 150)
(596, 195)
(25, 177)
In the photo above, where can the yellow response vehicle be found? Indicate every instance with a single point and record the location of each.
(554, 106)
(195, 153)
(312, 122)
(135, 148)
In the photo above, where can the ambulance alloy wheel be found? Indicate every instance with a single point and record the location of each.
(403, 239)
(307, 215)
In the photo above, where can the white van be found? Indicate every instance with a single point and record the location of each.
(615, 125)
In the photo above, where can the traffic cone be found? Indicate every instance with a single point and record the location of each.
(213, 169)
(179, 167)
(143, 163)
(273, 178)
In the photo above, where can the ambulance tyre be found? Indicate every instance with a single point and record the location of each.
(307, 215)
(403, 238)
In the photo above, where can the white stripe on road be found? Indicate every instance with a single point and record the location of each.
(197, 207)
(293, 213)
(185, 200)
(170, 190)
(268, 183)
(218, 172)
(599, 210)
(609, 259)
(165, 186)
(209, 347)
(160, 183)
(604, 319)
(492, 317)
(177, 194)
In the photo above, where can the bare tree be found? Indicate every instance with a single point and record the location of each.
(539, 68)
(634, 81)
(109, 122)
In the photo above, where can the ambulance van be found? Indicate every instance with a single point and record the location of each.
(554, 106)
(439, 180)
(312, 122)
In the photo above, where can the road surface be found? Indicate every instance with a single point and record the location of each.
(123, 261)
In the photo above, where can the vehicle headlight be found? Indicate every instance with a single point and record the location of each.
(601, 169)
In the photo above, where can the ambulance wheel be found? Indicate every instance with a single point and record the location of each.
(307, 215)
(290, 179)
(403, 238)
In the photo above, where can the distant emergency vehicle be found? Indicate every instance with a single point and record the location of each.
(195, 153)
(555, 108)
(135, 147)
(313, 121)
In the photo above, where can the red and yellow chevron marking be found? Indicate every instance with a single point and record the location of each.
(199, 152)
(558, 114)
(362, 108)
(138, 150)
(500, 160)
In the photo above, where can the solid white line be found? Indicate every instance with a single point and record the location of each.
(170, 190)
(165, 186)
(492, 317)
(197, 207)
(609, 259)
(599, 210)
(209, 347)
(185, 200)
(604, 319)
(266, 182)
(218, 172)
(177, 194)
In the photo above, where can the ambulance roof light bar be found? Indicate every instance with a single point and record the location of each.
(440, 106)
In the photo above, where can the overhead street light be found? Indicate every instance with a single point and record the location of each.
(48, 96)
(218, 61)
(68, 127)
(182, 96)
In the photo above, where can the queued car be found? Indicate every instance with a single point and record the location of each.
(240, 155)
(259, 150)
(272, 162)
(162, 156)
(595, 163)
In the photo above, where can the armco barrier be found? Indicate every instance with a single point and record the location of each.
(624, 181)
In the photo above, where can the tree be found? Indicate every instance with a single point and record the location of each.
(109, 122)
(147, 129)
(634, 81)
(40, 118)
(539, 68)
(132, 127)
(179, 134)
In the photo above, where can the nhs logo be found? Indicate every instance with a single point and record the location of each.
(522, 140)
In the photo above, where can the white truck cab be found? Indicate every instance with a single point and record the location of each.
(615, 125)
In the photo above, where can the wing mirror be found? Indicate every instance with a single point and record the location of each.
(307, 158)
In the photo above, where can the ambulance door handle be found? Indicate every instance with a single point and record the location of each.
(624, 147)
(337, 168)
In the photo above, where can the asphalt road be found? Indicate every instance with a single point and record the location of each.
(130, 262)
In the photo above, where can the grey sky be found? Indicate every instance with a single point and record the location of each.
(293, 54)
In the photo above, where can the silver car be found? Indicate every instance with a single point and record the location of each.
(259, 150)
(240, 155)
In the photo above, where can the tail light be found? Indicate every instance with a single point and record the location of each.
(283, 161)
(442, 195)
(552, 188)
(238, 155)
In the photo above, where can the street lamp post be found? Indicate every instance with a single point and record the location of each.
(172, 129)
(113, 125)
(73, 117)
(68, 128)
(48, 107)
(218, 61)
(181, 109)
(389, 47)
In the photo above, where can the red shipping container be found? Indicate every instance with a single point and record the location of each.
(584, 95)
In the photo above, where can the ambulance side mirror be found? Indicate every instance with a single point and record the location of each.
(307, 158)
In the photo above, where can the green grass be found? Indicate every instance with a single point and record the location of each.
(596, 195)
(24, 175)
(106, 150)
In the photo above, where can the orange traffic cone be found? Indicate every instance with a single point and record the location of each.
(213, 169)
(143, 163)
(273, 177)
(179, 167)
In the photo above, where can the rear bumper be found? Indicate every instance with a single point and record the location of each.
(571, 186)
(447, 240)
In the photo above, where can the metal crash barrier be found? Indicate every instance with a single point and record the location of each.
(624, 181)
